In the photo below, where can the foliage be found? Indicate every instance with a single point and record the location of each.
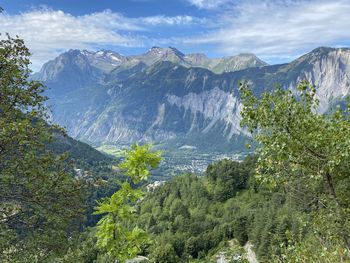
(115, 234)
(300, 207)
(81, 248)
(78, 151)
(228, 179)
(165, 253)
(308, 155)
(294, 209)
(295, 140)
(138, 161)
(38, 196)
(184, 216)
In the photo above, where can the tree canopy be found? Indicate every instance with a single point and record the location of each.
(115, 234)
(307, 154)
(38, 196)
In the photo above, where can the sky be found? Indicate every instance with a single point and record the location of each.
(277, 31)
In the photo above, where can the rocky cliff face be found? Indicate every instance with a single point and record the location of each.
(216, 105)
(160, 97)
(329, 70)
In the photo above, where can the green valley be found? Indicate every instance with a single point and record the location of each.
(119, 151)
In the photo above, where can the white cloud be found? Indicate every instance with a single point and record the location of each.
(274, 30)
(171, 20)
(277, 29)
(207, 4)
(48, 32)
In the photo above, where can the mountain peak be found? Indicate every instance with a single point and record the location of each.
(86, 52)
(73, 51)
(319, 50)
(156, 54)
(164, 51)
(250, 55)
(106, 52)
(177, 52)
(106, 61)
(322, 52)
(177, 100)
(238, 62)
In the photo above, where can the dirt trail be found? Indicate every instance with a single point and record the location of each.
(250, 253)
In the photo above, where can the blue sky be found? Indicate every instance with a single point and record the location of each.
(277, 31)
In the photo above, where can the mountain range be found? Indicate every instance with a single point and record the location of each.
(173, 99)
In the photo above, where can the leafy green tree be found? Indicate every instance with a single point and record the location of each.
(302, 150)
(227, 177)
(240, 229)
(193, 246)
(115, 234)
(165, 254)
(298, 142)
(38, 197)
(82, 248)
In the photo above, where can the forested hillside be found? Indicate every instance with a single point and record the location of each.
(62, 201)
(290, 201)
(192, 218)
(49, 181)
(40, 200)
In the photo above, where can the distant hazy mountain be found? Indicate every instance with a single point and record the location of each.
(105, 61)
(167, 96)
(217, 65)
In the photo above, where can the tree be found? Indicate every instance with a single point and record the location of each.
(227, 177)
(38, 196)
(300, 149)
(165, 253)
(115, 235)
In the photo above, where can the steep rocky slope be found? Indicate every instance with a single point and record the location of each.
(161, 98)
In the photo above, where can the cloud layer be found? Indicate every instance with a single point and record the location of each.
(48, 32)
(208, 4)
(277, 31)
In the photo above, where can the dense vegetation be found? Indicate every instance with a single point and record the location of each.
(290, 200)
(307, 154)
(193, 217)
(39, 198)
(190, 215)
(49, 183)
(293, 204)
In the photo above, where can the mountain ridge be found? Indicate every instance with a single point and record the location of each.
(108, 60)
(167, 102)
